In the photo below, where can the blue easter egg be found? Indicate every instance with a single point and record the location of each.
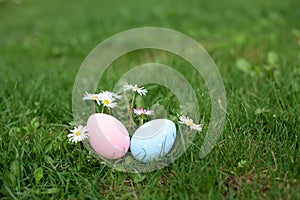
(153, 140)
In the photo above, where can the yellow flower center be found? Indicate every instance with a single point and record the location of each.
(106, 102)
(78, 133)
(190, 123)
(135, 88)
(95, 97)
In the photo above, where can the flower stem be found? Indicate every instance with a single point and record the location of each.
(130, 110)
(102, 109)
(141, 121)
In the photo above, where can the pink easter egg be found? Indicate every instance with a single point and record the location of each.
(107, 136)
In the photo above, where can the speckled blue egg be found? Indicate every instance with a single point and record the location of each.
(153, 140)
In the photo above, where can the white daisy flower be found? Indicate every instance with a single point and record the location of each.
(148, 112)
(78, 134)
(190, 123)
(197, 127)
(127, 87)
(135, 88)
(141, 111)
(107, 99)
(138, 111)
(89, 96)
(117, 96)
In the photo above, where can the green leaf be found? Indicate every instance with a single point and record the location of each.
(35, 123)
(296, 32)
(51, 191)
(11, 179)
(257, 70)
(240, 39)
(129, 160)
(242, 163)
(48, 147)
(38, 174)
(72, 123)
(48, 159)
(139, 101)
(244, 65)
(138, 178)
(272, 58)
(261, 110)
(159, 111)
(15, 168)
(295, 84)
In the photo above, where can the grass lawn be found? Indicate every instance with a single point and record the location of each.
(256, 46)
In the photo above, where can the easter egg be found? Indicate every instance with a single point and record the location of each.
(107, 136)
(153, 140)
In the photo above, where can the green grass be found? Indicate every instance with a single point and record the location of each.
(256, 47)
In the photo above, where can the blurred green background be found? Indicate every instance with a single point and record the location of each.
(256, 46)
